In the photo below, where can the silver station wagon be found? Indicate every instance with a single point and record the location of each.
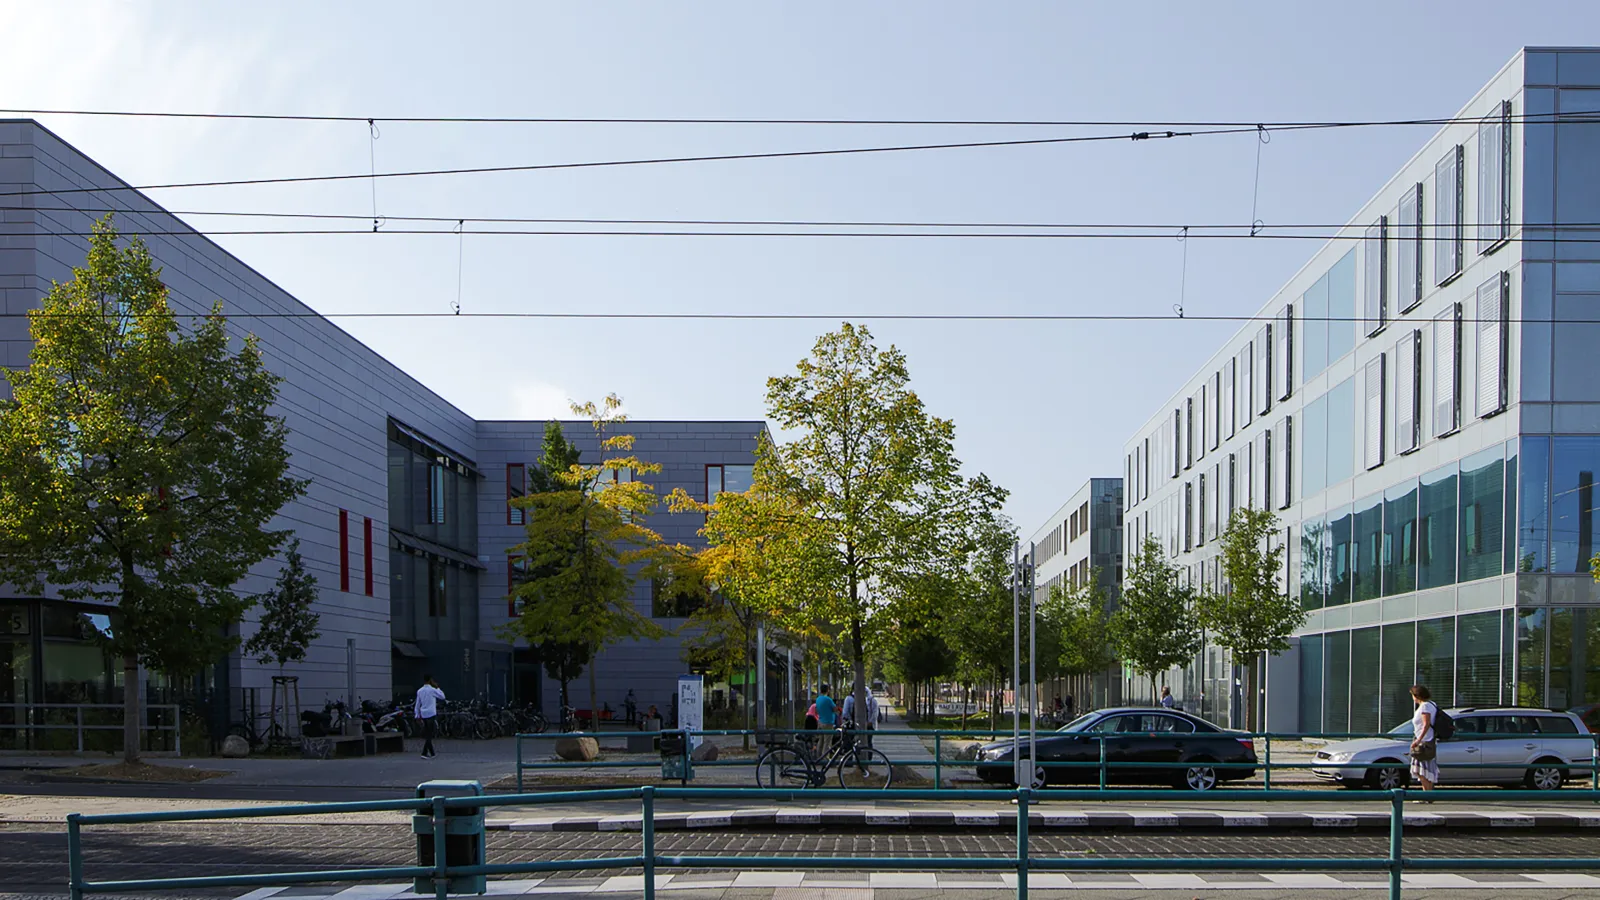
(1513, 746)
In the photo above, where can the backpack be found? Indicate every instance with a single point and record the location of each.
(1444, 727)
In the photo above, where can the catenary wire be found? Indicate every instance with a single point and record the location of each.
(1251, 125)
(836, 317)
(594, 164)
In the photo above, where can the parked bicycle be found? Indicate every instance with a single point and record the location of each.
(795, 764)
(272, 733)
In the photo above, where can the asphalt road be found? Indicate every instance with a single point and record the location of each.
(33, 856)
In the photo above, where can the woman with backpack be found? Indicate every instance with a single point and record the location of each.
(1424, 743)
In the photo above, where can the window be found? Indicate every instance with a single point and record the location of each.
(1177, 441)
(1447, 216)
(516, 486)
(1372, 415)
(1407, 391)
(719, 478)
(1283, 463)
(436, 588)
(1492, 309)
(1283, 353)
(1188, 516)
(1343, 439)
(1264, 455)
(1436, 532)
(1400, 539)
(1375, 287)
(670, 599)
(1482, 523)
(1263, 366)
(1202, 518)
(1214, 411)
(1447, 371)
(1230, 397)
(1342, 280)
(1233, 484)
(1217, 521)
(1408, 250)
(1368, 547)
(1188, 433)
(1246, 366)
(436, 475)
(1144, 465)
(1204, 431)
(516, 572)
(1494, 177)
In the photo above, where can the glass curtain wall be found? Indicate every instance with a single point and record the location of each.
(1341, 558)
(1400, 539)
(1366, 686)
(1531, 642)
(1533, 526)
(1478, 659)
(1399, 672)
(1368, 548)
(1336, 683)
(1572, 503)
(1311, 683)
(1436, 657)
(1574, 657)
(1482, 518)
(1436, 551)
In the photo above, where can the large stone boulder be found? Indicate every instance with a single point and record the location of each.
(706, 752)
(578, 749)
(235, 747)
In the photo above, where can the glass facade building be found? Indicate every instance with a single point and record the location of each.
(1420, 406)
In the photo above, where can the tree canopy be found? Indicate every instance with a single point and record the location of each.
(1157, 626)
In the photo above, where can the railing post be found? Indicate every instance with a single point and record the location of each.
(1397, 824)
(74, 858)
(1267, 736)
(647, 822)
(1022, 843)
(441, 878)
(938, 762)
(1102, 763)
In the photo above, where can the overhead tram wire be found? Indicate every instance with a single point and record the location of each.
(595, 164)
(833, 317)
(1246, 125)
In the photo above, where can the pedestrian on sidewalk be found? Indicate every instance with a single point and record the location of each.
(427, 711)
(1167, 701)
(1424, 749)
(871, 718)
(827, 718)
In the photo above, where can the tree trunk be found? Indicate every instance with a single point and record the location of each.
(130, 709)
(858, 666)
(748, 674)
(966, 701)
(594, 697)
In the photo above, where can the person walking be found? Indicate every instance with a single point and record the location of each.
(827, 718)
(427, 712)
(1424, 749)
(1167, 701)
(869, 721)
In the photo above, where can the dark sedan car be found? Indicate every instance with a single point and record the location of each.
(1135, 739)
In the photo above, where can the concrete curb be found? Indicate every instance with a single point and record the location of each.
(1052, 820)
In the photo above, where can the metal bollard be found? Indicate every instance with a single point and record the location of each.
(1397, 823)
(647, 825)
(1022, 843)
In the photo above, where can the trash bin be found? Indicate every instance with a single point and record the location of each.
(676, 761)
(463, 837)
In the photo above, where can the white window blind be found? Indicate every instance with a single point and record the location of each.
(1494, 171)
(1233, 484)
(1407, 391)
(1144, 478)
(1447, 216)
(1372, 414)
(1262, 389)
(1203, 432)
(1264, 455)
(1375, 285)
(1283, 353)
(1247, 474)
(1188, 516)
(1217, 520)
(1447, 371)
(1230, 397)
(1283, 463)
(1215, 410)
(1188, 433)
(1201, 513)
(1492, 345)
(1408, 250)
(1177, 441)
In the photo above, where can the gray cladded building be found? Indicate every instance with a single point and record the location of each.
(406, 523)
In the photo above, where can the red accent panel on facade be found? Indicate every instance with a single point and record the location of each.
(344, 550)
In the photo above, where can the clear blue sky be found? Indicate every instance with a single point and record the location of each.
(1040, 407)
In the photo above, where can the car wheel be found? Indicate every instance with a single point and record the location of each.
(1387, 779)
(1040, 779)
(1199, 778)
(1547, 777)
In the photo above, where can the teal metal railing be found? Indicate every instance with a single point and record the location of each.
(1106, 767)
(1395, 863)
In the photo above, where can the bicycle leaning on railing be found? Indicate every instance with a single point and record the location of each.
(788, 763)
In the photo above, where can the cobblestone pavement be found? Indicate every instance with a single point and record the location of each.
(33, 856)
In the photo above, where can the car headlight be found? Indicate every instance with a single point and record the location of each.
(1339, 757)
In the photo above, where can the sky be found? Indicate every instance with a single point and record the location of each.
(1040, 407)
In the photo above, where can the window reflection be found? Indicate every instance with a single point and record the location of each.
(1400, 539)
(1340, 558)
(1482, 519)
(1572, 503)
(1368, 544)
(1436, 536)
(1478, 659)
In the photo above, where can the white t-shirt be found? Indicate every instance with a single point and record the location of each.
(428, 698)
(1426, 706)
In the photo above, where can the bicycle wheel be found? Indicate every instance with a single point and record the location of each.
(483, 728)
(865, 767)
(782, 767)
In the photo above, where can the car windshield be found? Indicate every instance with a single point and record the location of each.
(1080, 723)
(1402, 728)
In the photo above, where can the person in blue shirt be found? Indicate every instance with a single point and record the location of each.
(827, 710)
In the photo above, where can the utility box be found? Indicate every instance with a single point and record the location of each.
(463, 837)
(676, 761)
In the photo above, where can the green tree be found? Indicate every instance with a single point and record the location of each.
(563, 660)
(1080, 617)
(1254, 614)
(869, 470)
(586, 546)
(140, 465)
(1156, 627)
(979, 626)
(288, 622)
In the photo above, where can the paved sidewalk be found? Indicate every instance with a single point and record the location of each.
(903, 746)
